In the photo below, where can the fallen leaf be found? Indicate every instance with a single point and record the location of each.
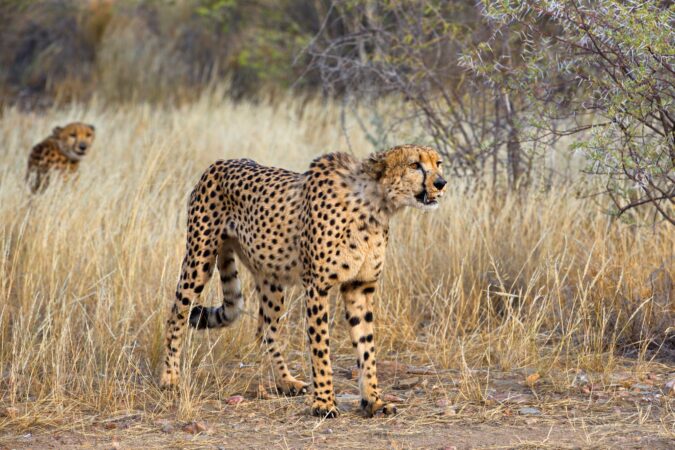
(234, 400)
(10, 412)
(195, 427)
(450, 411)
(531, 380)
(642, 387)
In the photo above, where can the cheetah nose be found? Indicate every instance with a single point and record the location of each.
(440, 183)
(83, 146)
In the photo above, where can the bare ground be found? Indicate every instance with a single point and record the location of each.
(517, 410)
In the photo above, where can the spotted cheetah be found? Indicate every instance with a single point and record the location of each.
(62, 152)
(322, 228)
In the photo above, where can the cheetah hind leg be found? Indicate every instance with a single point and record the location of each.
(195, 273)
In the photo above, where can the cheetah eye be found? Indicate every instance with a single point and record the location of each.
(416, 166)
(73, 135)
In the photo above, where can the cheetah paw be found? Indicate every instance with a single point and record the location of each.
(293, 387)
(370, 407)
(325, 412)
(169, 379)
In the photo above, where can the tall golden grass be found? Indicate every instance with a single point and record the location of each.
(538, 279)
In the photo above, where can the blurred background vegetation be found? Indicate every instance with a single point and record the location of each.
(59, 50)
(494, 85)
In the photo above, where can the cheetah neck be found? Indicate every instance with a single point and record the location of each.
(376, 196)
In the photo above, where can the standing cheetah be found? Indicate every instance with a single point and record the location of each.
(62, 151)
(322, 228)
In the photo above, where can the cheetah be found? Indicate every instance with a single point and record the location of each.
(323, 228)
(61, 151)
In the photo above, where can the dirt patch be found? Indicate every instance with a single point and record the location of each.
(517, 409)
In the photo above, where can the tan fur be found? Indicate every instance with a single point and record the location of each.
(326, 227)
(61, 152)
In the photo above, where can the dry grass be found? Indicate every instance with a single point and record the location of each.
(490, 284)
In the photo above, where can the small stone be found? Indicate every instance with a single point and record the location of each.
(234, 400)
(443, 403)
(669, 388)
(529, 411)
(167, 428)
(345, 397)
(393, 398)
(407, 383)
(581, 379)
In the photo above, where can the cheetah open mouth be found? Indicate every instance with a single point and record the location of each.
(423, 198)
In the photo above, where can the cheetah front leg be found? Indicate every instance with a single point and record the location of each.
(358, 296)
(271, 309)
(323, 404)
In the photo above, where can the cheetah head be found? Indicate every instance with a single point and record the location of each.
(74, 139)
(410, 175)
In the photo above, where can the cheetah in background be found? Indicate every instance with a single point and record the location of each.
(322, 228)
(62, 152)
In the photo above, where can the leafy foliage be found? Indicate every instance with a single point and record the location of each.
(606, 67)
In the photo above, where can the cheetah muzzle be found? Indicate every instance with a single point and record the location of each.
(323, 228)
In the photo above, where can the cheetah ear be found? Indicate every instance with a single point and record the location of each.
(374, 165)
(93, 128)
(56, 131)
